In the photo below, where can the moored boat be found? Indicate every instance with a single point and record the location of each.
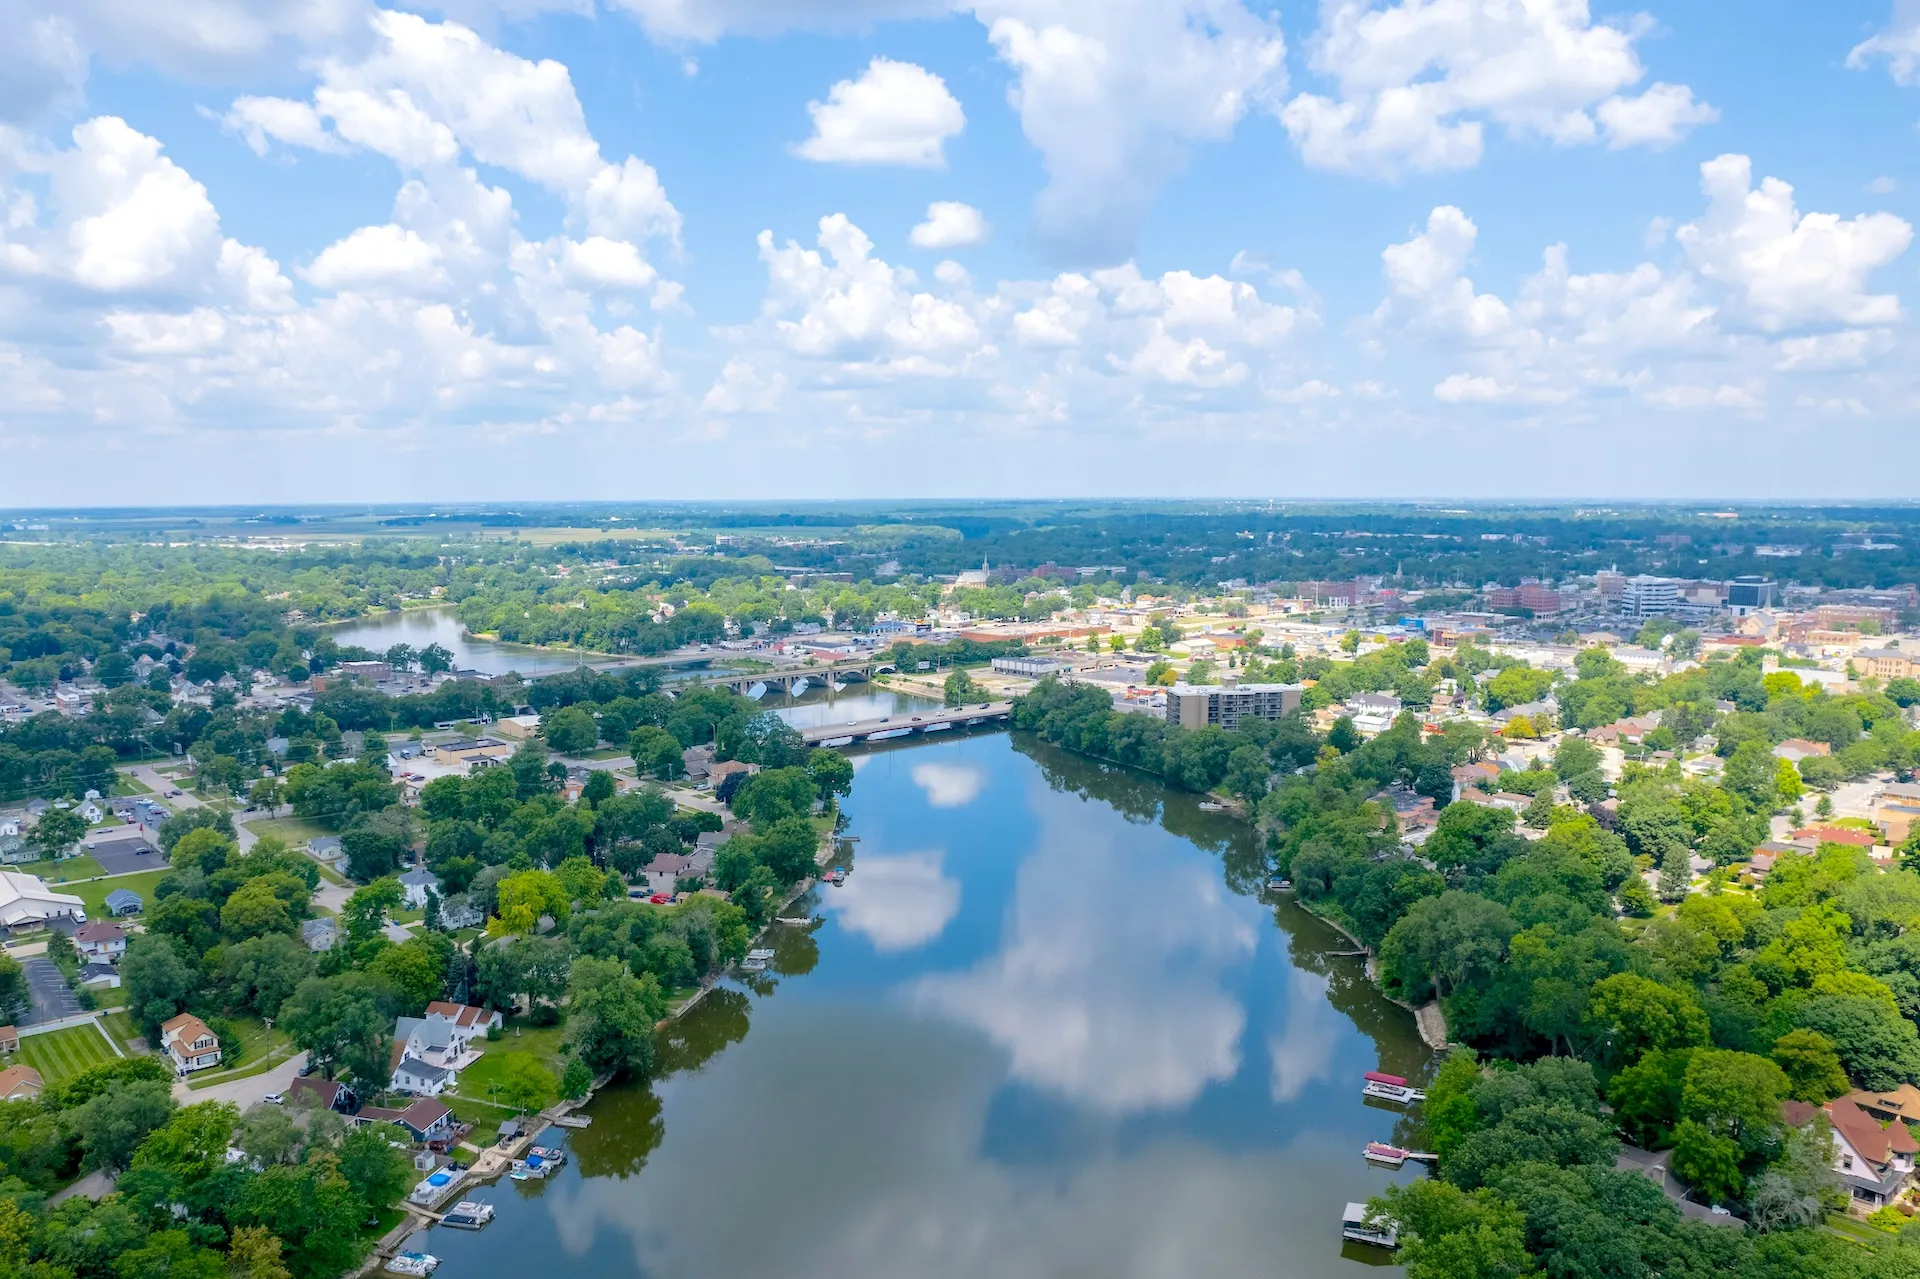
(468, 1215)
(414, 1263)
(1391, 1088)
(1380, 1153)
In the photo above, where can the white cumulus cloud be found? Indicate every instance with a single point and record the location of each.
(1417, 82)
(895, 113)
(950, 225)
(1785, 268)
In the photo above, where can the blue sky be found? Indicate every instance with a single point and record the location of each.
(259, 250)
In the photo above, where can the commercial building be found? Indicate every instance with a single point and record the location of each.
(26, 902)
(1887, 663)
(1224, 705)
(1644, 596)
(1032, 667)
(1749, 594)
(1541, 601)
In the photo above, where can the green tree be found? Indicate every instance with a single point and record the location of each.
(576, 1081)
(1707, 1162)
(1812, 1067)
(571, 730)
(1449, 1233)
(1646, 1096)
(157, 980)
(1247, 773)
(57, 831)
(960, 689)
(1733, 1094)
(611, 1018)
(1628, 1015)
(346, 1023)
(832, 773)
(14, 995)
(1444, 942)
(111, 1126)
(525, 1084)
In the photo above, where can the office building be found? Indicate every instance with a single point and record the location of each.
(1644, 596)
(1749, 594)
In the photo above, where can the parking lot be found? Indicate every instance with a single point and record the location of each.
(52, 999)
(124, 856)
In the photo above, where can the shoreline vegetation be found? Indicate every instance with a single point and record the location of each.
(1591, 1017)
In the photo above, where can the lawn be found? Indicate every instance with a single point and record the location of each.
(543, 1042)
(122, 1027)
(61, 1054)
(65, 870)
(128, 784)
(94, 891)
(292, 829)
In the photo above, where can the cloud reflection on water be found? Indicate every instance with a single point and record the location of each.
(1107, 987)
(949, 785)
(896, 901)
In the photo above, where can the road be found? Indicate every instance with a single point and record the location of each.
(245, 1092)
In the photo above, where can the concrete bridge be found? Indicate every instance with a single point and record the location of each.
(927, 721)
(783, 679)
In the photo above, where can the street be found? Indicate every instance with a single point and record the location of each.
(245, 1092)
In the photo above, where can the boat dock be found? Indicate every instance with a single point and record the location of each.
(1390, 1088)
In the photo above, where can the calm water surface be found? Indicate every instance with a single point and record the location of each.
(1045, 1029)
(423, 626)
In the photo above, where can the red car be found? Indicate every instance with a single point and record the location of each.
(661, 899)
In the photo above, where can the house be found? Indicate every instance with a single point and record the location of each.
(1768, 855)
(430, 1051)
(192, 1045)
(320, 934)
(98, 976)
(101, 942)
(424, 1120)
(517, 727)
(1795, 749)
(1486, 773)
(1836, 835)
(467, 1020)
(411, 1075)
(1875, 1162)
(326, 848)
(91, 813)
(9, 1039)
(1625, 732)
(416, 883)
(457, 912)
(322, 1094)
(26, 902)
(20, 1083)
(124, 901)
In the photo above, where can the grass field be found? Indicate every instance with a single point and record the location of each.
(60, 1054)
(295, 831)
(122, 1027)
(542, 1042)
(94, 891)
(128, 784)
(71, 868)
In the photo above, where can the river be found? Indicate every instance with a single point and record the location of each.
(440, 625)
(1046, 1028)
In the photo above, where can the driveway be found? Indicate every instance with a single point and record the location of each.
(245, 1092)
(52, 998)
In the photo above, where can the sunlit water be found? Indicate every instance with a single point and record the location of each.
(1047, 1028)
(420, 627)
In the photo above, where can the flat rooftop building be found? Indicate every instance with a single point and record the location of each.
(1224, 705)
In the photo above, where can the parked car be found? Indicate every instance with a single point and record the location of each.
(274, 1099)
